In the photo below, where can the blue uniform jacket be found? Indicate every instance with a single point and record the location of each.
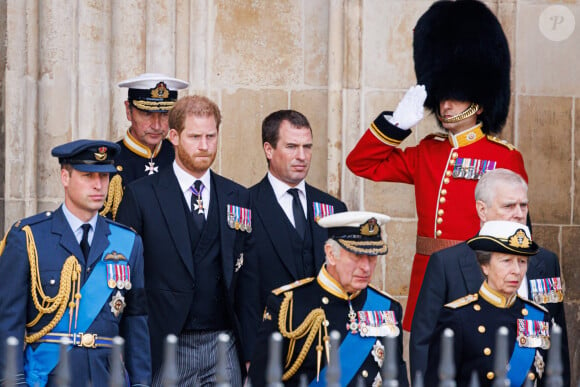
(55, 242)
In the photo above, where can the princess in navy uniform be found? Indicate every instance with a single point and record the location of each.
(502, 249)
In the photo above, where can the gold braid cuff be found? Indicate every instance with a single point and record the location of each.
(70, 278)
(309, 327)
(114, 197)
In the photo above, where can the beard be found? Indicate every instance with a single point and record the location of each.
(194, 163)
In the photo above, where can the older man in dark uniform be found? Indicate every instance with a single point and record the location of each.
(145, 150)
(339, 298)
(77, 275)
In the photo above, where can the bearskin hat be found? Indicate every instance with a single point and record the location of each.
(461, 52)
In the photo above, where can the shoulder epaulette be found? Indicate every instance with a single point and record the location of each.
(24, 222)
(381, 292)
(110, 221)
(465, 300)
(541, 307)
(498, 140)
(439, 135)
(40, 217)
(293, 285)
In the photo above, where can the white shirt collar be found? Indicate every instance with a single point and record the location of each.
(280, 188)
(186, 180)
(75, 223)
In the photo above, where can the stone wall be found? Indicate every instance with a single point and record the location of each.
(340, 62)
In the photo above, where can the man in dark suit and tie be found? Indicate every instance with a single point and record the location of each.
(454, 272)
(289, 242)
(196, 228)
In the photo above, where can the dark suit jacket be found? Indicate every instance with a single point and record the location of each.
(453, 273)
(153, 206)
(272, 263)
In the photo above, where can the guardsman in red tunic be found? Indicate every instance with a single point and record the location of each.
(467, 87)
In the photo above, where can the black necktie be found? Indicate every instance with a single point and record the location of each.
(85, 247)
(298, 212)
(197, 208)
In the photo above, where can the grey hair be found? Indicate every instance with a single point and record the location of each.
(485, 190)
(335, 246)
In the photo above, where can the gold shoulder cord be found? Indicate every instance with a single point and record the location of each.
(70, 277)
(310, 326)
(114, 196)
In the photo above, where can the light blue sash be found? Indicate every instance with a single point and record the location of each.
(522, 357)
(40, 362)
(354, 349)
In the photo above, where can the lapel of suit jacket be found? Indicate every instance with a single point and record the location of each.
(536, 267)
(273, 217)
(67, 240)
(225, 194)
(470, 269)
(100, 241)
(171, 205)
(319, 234)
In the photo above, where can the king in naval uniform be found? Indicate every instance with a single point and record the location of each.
(339, 298)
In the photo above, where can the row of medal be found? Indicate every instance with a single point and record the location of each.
(467, 168)
(373, 323)
(118, 276)
(321, 210)
(239, 218)
(533, 334)
(546, 290)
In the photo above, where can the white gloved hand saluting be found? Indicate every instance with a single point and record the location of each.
(410, 110)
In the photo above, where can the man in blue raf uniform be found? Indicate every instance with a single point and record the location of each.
(145, 149)
(339, 298)
(74, 274)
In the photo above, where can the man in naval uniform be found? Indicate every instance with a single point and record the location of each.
(289, 242)
(339, 298)
(453, 272)
(145, 150)
(197, 228)
(462, 64)
(76, 275)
